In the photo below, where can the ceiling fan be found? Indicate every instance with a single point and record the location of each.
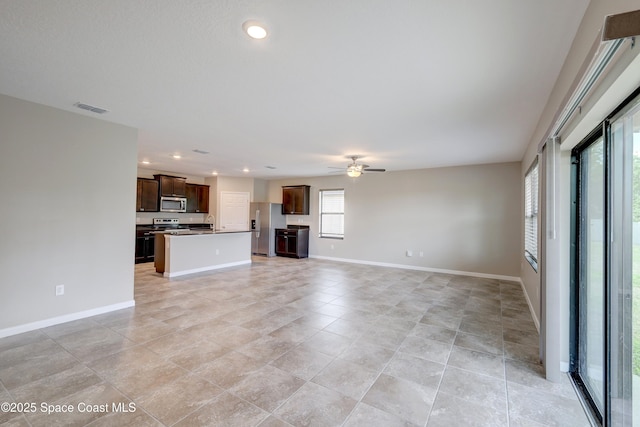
(355, 169)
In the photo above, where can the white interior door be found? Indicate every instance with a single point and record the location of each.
(234, 211)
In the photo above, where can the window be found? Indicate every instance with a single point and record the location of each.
(531, 215)
(332, 213)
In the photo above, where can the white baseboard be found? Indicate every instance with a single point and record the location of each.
(15, 330)
(208, 268)
(536, 321)
(418, 268)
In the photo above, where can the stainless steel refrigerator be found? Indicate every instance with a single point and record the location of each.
(265, 218)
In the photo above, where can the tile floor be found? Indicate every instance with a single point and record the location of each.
(293, 342)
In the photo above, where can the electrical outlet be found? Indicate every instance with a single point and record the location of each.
(59, 290)
(217, 251)
(409, 253)
(421, 253)
(332, 247)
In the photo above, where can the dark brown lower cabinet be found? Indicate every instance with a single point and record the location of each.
(292, 242)
(145, 249)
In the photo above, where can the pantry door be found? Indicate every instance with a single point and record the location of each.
(234, 211)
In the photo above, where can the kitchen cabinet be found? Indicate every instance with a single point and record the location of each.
(295, 200)
(172, 185)
(292, 242)
(145, 246)
(147, 195)
(197, 198)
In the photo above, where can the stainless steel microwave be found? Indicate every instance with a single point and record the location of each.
(173, 204)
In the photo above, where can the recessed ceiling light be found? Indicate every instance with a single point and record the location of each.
(245, 170)
(214, 173)
(177, 156)
(254, 29)
(145, 162)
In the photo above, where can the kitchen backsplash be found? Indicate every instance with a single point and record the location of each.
(185, 218)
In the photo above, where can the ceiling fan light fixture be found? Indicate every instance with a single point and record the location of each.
(354, 171)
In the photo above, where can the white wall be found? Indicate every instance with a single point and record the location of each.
(260, 190)
(585, 38)
(463, 219)
(212, 182)
(576, 60)
(228, 183)
(68, 183)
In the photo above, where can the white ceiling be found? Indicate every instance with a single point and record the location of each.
(409, 84)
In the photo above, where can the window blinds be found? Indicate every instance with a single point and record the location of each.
(531, 215)
(332, 213)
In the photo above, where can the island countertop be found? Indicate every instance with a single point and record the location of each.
(196, 231)
(194, 251)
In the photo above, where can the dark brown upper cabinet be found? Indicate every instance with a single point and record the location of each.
(172, 185)
(295, 200)
(197, 198)
(147, 195)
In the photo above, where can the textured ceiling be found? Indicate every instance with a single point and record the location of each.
(408, 84)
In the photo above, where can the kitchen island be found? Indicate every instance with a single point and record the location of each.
(194, 251)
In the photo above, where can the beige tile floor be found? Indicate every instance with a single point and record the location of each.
(293, 342)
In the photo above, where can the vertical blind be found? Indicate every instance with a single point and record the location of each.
(332, 213)
(531, 215)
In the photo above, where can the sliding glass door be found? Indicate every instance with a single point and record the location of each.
(605, 359)
(624, 303)
(591, 270)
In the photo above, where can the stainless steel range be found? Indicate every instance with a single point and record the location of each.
(146, 236)
(166, 223)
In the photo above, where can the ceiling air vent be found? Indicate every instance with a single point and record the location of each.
(200, 151)
(91, 108)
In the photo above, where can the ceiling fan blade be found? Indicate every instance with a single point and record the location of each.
(375, 170)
